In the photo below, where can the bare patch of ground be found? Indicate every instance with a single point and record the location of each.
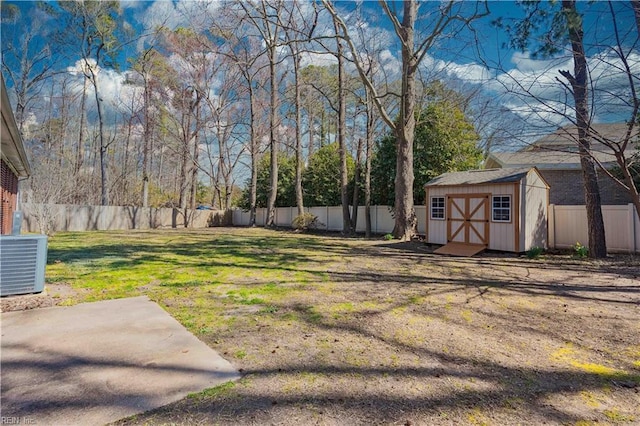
(53, 295)
(388, 333)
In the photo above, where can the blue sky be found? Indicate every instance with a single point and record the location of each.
(500, 72)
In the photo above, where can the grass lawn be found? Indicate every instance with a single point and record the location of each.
(350, 331)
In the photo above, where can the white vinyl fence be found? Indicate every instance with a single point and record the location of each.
(47, 218)
(567, 224)
(330, 218)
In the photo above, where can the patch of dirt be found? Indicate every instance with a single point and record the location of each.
(54, 294)
(389, 333)
(24, 302)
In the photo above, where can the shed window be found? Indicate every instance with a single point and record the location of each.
(501, 208)
(437, 208)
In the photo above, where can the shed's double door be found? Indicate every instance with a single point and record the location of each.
(468, 218)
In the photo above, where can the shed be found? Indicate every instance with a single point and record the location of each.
(497, 209)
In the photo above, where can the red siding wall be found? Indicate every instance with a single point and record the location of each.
(9, 197)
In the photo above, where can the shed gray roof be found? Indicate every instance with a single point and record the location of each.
(476, 177)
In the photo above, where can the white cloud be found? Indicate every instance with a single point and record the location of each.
(131, 4)
(173, 14)
(470, 72)
(525, 63)
(540, 81)
(160, 13)
(112, 87)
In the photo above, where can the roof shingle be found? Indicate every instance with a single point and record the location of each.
(476, 177)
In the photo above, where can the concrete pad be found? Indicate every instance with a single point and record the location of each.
(95, 363)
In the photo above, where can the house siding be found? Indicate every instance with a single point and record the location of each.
(9, 197)
(567, 188)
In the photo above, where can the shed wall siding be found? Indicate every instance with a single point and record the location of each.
(501, 235)
(535, 213)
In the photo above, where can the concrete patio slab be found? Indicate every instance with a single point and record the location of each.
(95, 363)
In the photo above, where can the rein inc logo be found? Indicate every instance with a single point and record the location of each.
(15, 420)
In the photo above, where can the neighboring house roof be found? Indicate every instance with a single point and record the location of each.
(12, 147)
(554, 160)
(479, 177)
(559, 150)
(566, 138)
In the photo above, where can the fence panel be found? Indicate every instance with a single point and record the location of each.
(284, 216)
(618, 236)
(322, 213)
(334, 219)
(568, 225)
(46, 218)
(384, 220)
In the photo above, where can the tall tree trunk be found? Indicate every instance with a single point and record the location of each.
(342, 144)
(367, 168)
(184, 154)
(405, 220)
(311, 118)
(146, 144)
(356, 187)
(253, 190)
(220, 175)
(104, 196)
(81, 132)
(323, 128)
(125, 165)
(273, 122)
(579, 81)
(636, 11)
(194, 165)
(299, 161)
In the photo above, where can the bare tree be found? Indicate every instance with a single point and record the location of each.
(413, 52)
(92, 27)
(261, 15)
(293, 33)
(253, 78)
(29, 63)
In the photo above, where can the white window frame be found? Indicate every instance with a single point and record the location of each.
(438, 208)
(494, 209)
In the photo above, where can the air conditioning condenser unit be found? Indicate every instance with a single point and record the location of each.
(23, 259)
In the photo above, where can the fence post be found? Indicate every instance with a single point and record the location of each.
(327, 224)
(632, 227)
(551, 227)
